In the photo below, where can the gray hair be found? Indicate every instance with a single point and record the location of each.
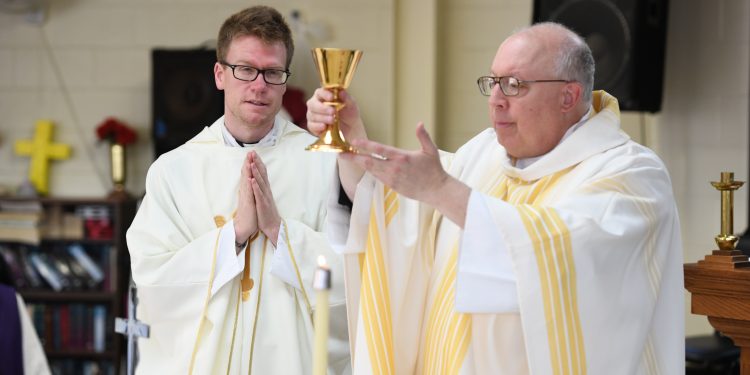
(574, 60)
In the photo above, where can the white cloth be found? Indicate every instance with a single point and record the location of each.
(593, 243)
(228, 263)
(487, 265)
(174, 242)
(34, 359)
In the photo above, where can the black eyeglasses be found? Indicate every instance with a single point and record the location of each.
(509, 85)
(249, 74)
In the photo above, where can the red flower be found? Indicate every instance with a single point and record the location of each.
(115, 131)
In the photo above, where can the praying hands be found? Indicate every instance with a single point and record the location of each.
(256, 209)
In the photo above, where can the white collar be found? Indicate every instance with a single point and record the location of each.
(268, 140)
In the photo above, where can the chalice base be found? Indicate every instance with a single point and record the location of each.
(331, 141)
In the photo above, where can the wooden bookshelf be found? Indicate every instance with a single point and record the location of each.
(75, 321)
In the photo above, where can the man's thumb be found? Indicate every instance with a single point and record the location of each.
(424, 139)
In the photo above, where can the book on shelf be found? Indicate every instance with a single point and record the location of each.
(38, 312)
(109, 260)
(100, 328)
(72, 227)
(48, 272)
(20, 206)
(15, 266)
(13, 218)
(60, 263)
(66, 257)
(74, 326)
(32, 276)
(84, 260)
(97, 220)
(59, 223)
(20, 227)
(72, 267)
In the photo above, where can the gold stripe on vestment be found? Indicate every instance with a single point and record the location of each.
(390, 200)
(375, 302)
(553, 251)
(257, 304)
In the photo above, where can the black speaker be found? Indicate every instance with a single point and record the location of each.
(185, 98)
(627, 39)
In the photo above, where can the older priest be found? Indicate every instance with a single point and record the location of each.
(549, 244)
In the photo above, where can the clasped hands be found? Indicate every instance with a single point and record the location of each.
(256, 209)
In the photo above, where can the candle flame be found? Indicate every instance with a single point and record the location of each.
(322, 261)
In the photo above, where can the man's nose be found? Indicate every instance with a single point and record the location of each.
(259, 81)
(497, 97)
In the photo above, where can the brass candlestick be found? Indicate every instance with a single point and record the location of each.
(727, 257)
(726, 239)
(335, 68)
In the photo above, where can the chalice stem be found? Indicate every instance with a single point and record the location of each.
(335, 68)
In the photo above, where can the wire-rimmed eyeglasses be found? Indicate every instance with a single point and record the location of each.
(249, 74)
(508, 85)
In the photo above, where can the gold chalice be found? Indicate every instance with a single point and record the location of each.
(335, 68)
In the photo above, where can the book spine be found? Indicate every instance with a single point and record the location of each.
(100, 317)
(48, 274)
(86, 262)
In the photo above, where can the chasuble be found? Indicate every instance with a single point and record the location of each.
(571, 265)
(214, 312)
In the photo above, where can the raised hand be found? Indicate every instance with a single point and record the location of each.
(269, 219)
(350, 123)
(320, 114)
(246, 218)
(415, 174)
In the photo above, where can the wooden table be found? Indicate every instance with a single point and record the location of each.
(720, 289)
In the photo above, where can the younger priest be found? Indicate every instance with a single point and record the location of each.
(225, 243)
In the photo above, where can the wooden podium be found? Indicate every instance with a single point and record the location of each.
(720, 283)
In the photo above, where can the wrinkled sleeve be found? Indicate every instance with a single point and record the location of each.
(485, 281)
(601, 260)
(172, 271)
(163, 251)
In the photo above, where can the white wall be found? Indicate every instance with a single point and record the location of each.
(91, 59)
(101, 49)
(703, 128)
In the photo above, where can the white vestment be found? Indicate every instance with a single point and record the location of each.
(192, 295)
(581, 272)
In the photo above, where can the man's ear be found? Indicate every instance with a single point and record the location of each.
(571, 96)
(219, 76)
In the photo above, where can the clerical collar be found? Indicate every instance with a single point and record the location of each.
(267, 140)
(523, 163)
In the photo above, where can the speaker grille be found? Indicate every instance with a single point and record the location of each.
(185, 97)
(627, 39)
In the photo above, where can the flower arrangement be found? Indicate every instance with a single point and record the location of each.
(115, 131)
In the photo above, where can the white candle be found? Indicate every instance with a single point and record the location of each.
(322, 286)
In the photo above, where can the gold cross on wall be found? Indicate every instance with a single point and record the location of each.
(41, 150)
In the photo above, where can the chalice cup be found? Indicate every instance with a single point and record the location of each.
(335, 67)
